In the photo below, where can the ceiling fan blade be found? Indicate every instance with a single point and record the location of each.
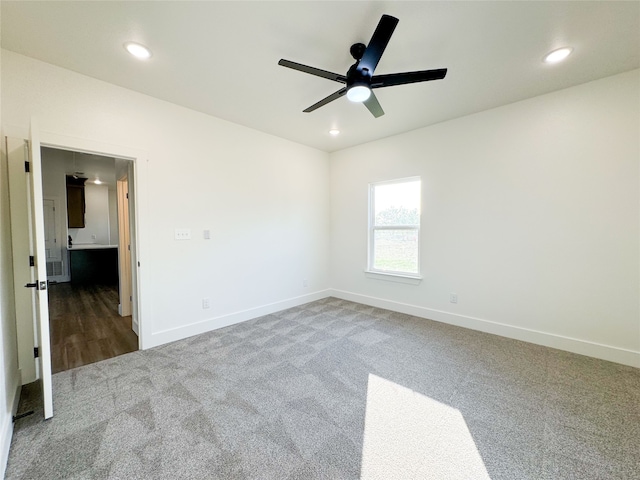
(313, 71)
(324, 101)
(379, 81)
(373, 106)
(378, 43)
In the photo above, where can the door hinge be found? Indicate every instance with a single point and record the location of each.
(32, 261)
(129, 247)
(36, 352)
(127, 194)
(27, 167)
(130, 298)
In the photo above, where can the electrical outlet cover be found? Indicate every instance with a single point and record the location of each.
(183, 234)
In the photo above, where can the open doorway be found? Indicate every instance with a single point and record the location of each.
(88, 218)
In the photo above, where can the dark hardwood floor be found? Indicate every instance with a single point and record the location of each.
(85, 325)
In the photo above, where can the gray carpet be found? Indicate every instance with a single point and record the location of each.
(285, 396)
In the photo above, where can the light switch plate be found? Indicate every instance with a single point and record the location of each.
(183, 234)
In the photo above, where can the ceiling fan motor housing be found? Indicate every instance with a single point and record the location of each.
(357, 50)
(356, 76)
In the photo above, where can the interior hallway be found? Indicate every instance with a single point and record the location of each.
(85, 325)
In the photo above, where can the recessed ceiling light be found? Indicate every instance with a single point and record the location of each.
(138, 50)
(558, 55)
(97, 181)
(358, 93)
(334, 132)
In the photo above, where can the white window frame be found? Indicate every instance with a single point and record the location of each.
(397, 276)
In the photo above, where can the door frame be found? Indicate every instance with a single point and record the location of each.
(139, 160)
(124, 257)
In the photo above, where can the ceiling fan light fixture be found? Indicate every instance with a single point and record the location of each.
(360, 77)
(138, 50)
(557, 55)
(359, 93)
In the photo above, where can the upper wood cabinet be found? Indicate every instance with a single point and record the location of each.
(75, 202)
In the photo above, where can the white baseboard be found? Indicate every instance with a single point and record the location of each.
(178, 333)
(6, 430)
(574, 345)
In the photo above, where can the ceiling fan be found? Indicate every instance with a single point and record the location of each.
(360, 80)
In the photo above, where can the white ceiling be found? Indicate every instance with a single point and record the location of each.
(221, 58)
(84, 165)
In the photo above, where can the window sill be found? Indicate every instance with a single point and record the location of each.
(394, 277)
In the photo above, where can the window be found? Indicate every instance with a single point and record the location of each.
(394, 227)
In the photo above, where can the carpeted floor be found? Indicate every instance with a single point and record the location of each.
(286, 396)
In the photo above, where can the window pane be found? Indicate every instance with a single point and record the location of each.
(395, 250)
(397, 203)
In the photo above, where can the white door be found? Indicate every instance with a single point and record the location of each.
(17, 156)
(41, 310)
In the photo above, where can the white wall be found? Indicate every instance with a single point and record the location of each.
(264, 199)
(530, 214)
(531, 211)
(54, 186)
(97, 201)
(96, 216)
(54, 177)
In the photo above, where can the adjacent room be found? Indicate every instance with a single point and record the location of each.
(320, 240)
(89, 306)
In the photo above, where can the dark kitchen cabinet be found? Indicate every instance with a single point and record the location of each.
(75, 202)
(95, 266)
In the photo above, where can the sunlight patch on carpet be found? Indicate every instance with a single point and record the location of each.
(410, 436)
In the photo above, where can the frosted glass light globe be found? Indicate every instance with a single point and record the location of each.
(358, 93)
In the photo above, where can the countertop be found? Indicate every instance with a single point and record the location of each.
(89, 246)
